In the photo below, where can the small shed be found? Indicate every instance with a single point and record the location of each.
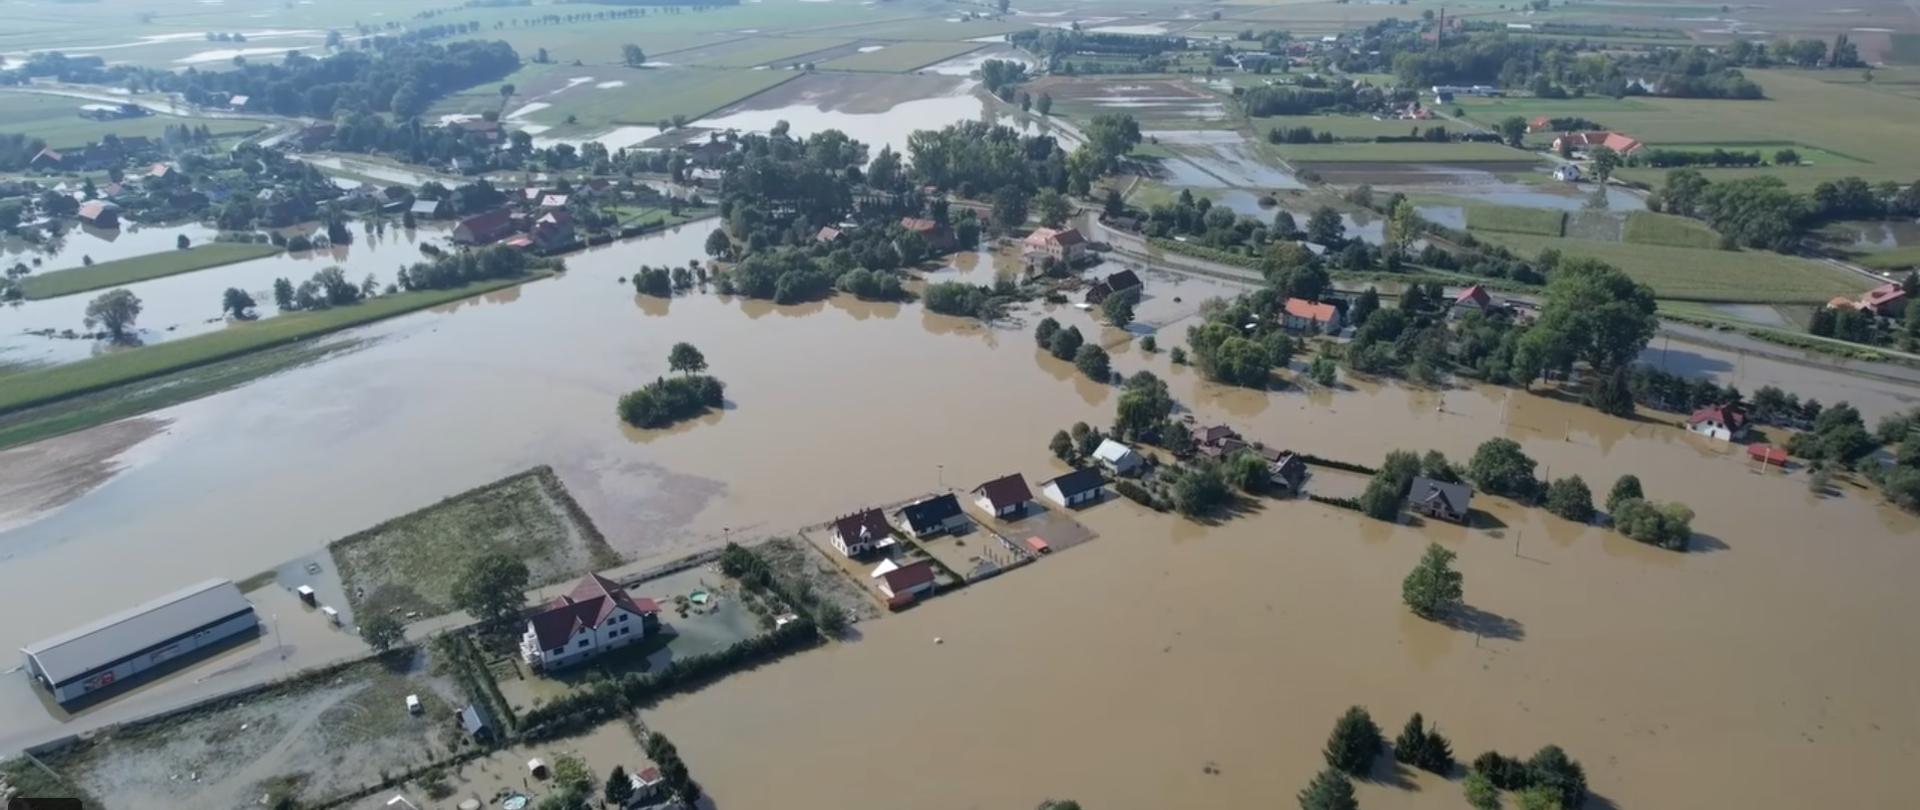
(476, 722)
(538, 768)
(1038, 546)
(307, 595)
(1767, 454)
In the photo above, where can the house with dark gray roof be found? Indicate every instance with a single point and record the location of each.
(933, 516)
(1440, 499)
(1077, 488)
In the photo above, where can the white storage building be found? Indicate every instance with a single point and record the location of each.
(117, 648)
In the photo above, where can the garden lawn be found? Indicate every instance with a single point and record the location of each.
(140, 268)
(411, 563)
(56, 120)
(1649, 228)
(1693, 274)
(49, 384)
(1401, 153)
(1514, 219)
(901, 57)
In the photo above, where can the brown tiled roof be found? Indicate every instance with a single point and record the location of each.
(589, 604)
(868, 524)
(1316, 312)
(1005, 491)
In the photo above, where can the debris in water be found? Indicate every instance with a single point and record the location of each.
(939, 640)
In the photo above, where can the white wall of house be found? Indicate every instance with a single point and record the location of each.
(620, 629)
(1054, 494)
(987, 503)
(1712, 429)
(852, 549)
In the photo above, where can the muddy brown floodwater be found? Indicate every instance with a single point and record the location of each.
(1774, 663)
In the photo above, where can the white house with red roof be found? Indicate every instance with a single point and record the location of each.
(1301, 315)
(1065, 245)
(1724, 422)
(597, 616)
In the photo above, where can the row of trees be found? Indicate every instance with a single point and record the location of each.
(1549, 779)
(1762, 212)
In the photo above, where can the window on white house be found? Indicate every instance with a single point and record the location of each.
(583, 642)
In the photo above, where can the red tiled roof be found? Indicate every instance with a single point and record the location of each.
(589, 604)
(1316, 312)
(1005, 491)
(1476, 295)
(909, 576)
(827, 233)
(1883, 295)
(1767, 453)
(649, 776)
(918, 225)
(92, 209)
(869, 525)
(1727, 415)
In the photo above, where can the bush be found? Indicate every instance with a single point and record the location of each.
(1354, 743)
(1669, 526)
(1149, 345)
(955, 298)
(1506, 773)
(1570, 499)
(669, 400)
(1625, 489)
(1552, 769)
(1500, 467)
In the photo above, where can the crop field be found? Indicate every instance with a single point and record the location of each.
(1400, 153)
(942, 30)
(1693, 274)
(1514, 219)
(56, 120)
(1904, 258)
(754, 51)
(411, 563)
(140, 268)
(900, 57)
(642, 96)
(1649, 228)
(1341, 126)
(42, 385)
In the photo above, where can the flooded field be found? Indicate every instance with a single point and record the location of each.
(188, 304)
(100, 244)
(875, 109)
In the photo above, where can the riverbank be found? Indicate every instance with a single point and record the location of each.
(218, 360)
(140, 268)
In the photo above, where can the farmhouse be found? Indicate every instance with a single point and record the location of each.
(1301, 315)
(1767, 454)
(1585, 141)
(595, 617)
(1724, 422)
(1119, 458)
(1066, 245)
(46, 159)
(1285, 470)
(1123, 280)
(929, 231)
(860, 533)
(1439, 499)
(1004, 497)
(484, 229)
(935, 515)
(118, 648)
(1887, 300)
(99, 214)
(553, 230)
(1077, 488)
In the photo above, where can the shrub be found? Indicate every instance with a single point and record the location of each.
(1506, 773)
(668, 400)
(1669, 526)
(1570, 499)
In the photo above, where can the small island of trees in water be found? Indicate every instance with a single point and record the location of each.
(673, 399)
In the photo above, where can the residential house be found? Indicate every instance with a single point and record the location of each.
(1473, 299)
(1123, 280)
(1587, 141)
(935, 515)
(827, 235)
(553, 201)
(1064, 245)
(648, 787)
(1077, 488)
(431, 209)
(1319, 317)
(1440, 499)
(1004, 497)
(553, 230)
(1119, 458)
(1728, 423)
(861, 532)
(597, 616)
(484, 229)
(237, 102)
(1887, 300)
(906, 583)
(158, 172)
(1285, 470)
(1567, 173)
(47, 159)
(937, 238)
(99, 214)
(1540, 123)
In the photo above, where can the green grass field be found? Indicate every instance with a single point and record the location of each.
(901, 57)
(411, 563)
(56, 120)
(140, 268)
(1649, 228)
(754, 51)
(1400, 153)
(1902, 258)
(44, 385)
(937, 29)
(1341, 126)
(647, 96)
(1514, 219)
(1809, 155)
(1693, 274)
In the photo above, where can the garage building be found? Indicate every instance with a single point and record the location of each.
(118, 648)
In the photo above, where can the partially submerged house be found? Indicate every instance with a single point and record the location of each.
(860, 533)
(1440, 499)
(1728, 423)
(99, 214)
(553, 230)
(431, 209)
(905, 583)
(1119, 458)
(1077, 488)
(1066, 245)
(1004, 497)
(1315, 317)
(1285, 470)
(1123, 280)
(596, 617)
(484, 229)
(936, 515)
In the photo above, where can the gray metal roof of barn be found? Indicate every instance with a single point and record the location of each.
(114, 637)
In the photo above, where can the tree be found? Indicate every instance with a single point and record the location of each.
(1625, 489)
(1354, 742)
(1432, 588)
(1143, 406)
(718, 245)
(1010, 207)
(493, 588)
(1500, 467)
(619, 787)
(283, 294)
(115, 311)
(1247, 471)
(237, 303)
(1179, 440)
(383, 632)
(632, 55)
(686, 359)
(1065, 344)
(1062, 446)
(1200, 490)
(1093, 362)
(1552, 769)
(1669, 526)
(1326, 228)
(1367, 304)
(1149, 345)
(1044, 104)
(1605, 160)
(1537, 798)
(1329, 790)
(1570, 499)
(1044, 332)
(1118, 307)
(1052, 208)
(1323, 371)
(1611, 394)
(1593, 312)
(1423, 748)
(1786, 157)
(183, 242)
(1481, 794)
(1514, 130)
